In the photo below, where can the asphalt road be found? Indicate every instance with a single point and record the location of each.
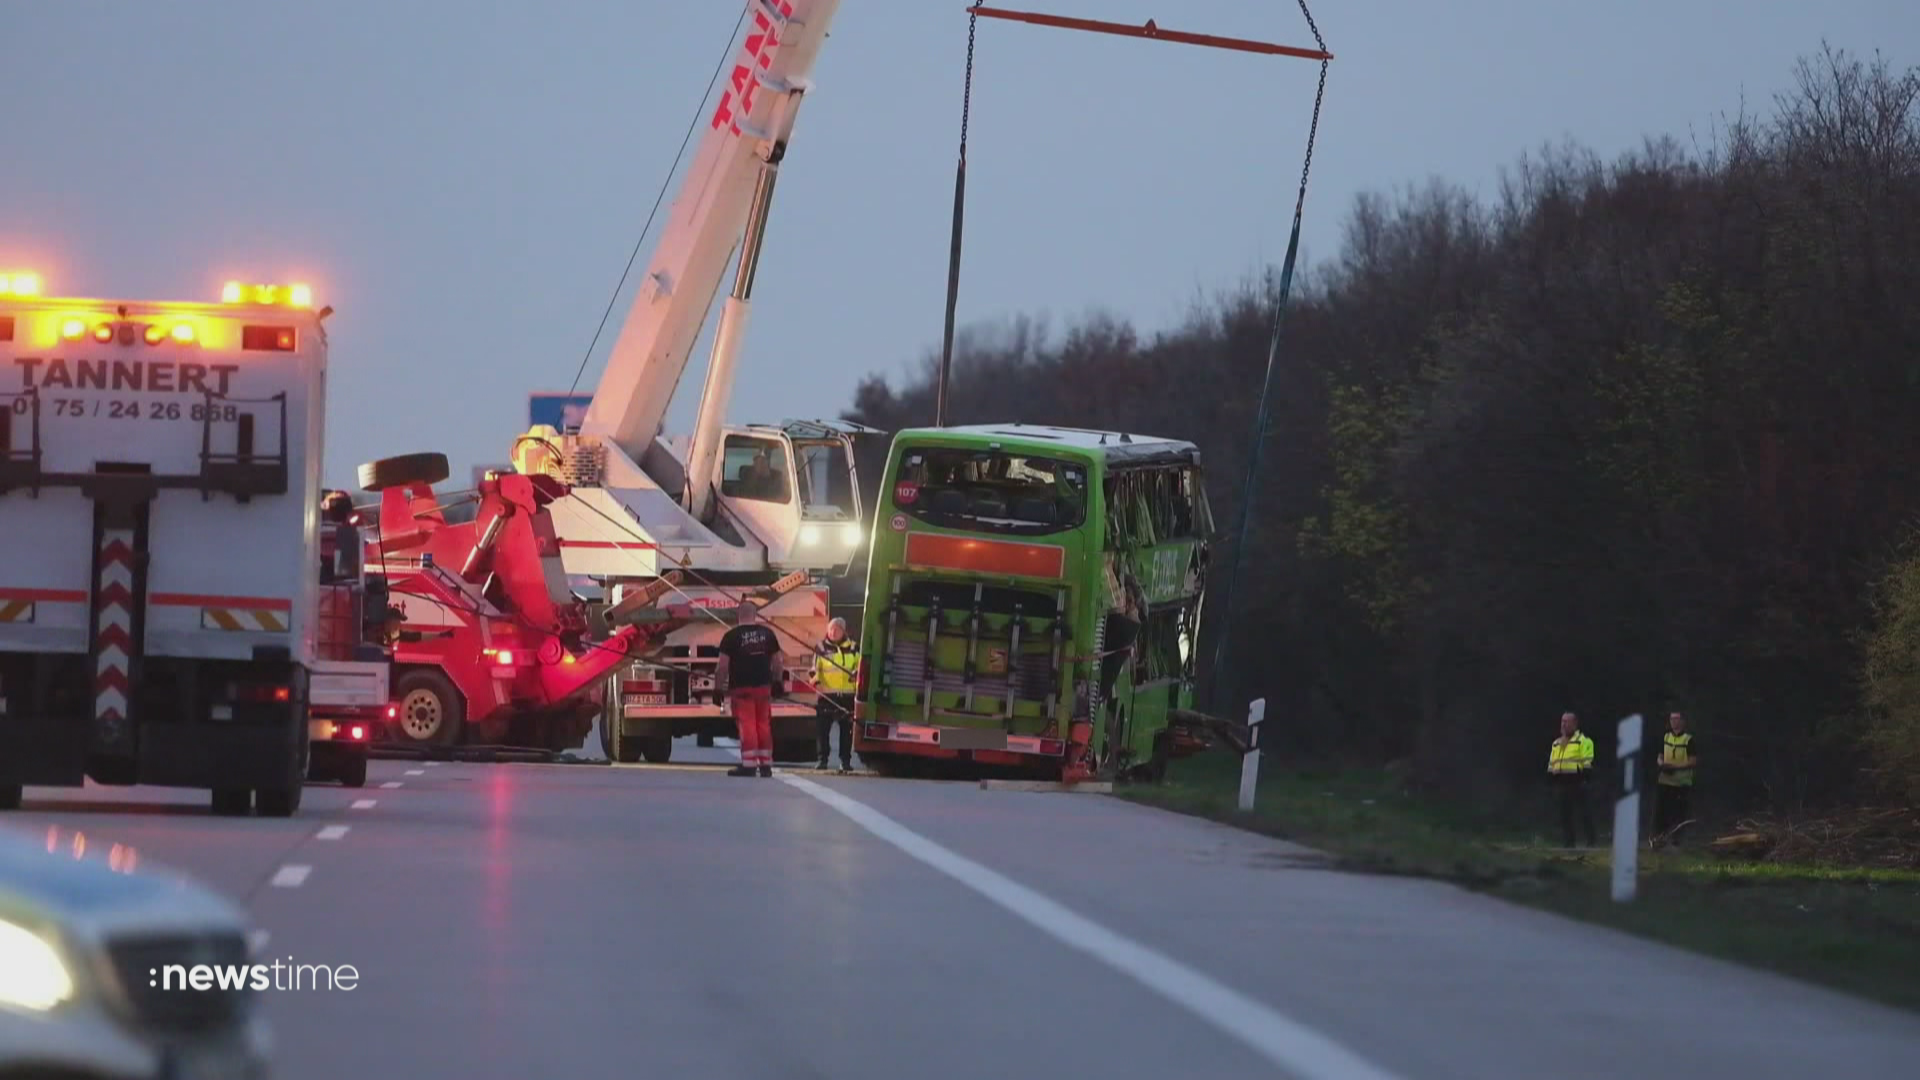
(600, 921)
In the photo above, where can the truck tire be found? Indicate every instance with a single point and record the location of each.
(354, 772)
(279, 802)
(284, 801)
(403, 470)
(10, 795)
(232, 802)
(431, 711)
(657, 749)
(704, 739)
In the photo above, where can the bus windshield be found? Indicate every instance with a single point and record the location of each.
(990, 490)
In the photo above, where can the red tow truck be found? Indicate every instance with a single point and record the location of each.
(496, 649)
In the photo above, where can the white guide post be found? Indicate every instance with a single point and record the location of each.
(1250, 761)
(1626, 813)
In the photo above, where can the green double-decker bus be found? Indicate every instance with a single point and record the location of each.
(1033, 599)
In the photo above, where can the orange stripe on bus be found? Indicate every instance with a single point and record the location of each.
(986, 556)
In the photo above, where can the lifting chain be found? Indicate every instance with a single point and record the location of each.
(966, 93)
(1319, 95)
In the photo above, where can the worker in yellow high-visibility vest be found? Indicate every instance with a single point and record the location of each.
(836, 661)
(1678, 760)
(1569, 766)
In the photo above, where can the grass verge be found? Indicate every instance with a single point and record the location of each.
(1856, 930)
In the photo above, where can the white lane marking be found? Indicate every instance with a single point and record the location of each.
(257, 940)
(391, 784)
(416, 772)
(1284, 1042)
(331, 832)
(432, 764)
(365, 804)
(291, 877)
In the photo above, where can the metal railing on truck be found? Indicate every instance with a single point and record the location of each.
(244, 473)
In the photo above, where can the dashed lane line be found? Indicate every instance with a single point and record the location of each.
(1285, 1042)
(391, 784)
(291, 877)
(365, 804)
(331, 832)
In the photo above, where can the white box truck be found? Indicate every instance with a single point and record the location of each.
(159, 541)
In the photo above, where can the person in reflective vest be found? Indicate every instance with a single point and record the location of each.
(1678, 760)
(1569, 767)
(835, 662)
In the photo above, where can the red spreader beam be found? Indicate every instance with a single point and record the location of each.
(1150, 30)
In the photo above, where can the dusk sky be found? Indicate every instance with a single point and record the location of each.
(464, 181)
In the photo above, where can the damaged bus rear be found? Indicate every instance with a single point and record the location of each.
(1033, 599)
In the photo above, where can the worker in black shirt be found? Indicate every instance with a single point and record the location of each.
(749, 654)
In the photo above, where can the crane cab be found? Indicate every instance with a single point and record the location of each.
(796, 487)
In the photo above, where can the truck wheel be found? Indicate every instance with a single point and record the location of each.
(232, 802)
(704, 739)
(431, 712)
(279, 802)
(10, 795)
(657, 749)
(403, 470)
(354, 772)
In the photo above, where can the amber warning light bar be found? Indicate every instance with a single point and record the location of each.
(298, 296)
(19, 284)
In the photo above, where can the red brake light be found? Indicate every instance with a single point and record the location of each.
(356, 733)
(393, 711)
(267, 338)
(103, 333)
(505, 657)
(1052, 747)
(262, 693)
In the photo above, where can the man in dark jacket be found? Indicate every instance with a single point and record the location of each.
(749, 662)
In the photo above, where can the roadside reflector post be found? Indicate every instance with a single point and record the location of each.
(1626, 813)
(1250, 761)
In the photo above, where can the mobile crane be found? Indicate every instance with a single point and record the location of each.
(761, 509)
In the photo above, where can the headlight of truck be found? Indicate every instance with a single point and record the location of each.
(32, 974)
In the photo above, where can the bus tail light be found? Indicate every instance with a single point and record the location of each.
(877, 731)
(1052, 748)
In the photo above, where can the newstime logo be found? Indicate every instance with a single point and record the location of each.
(279, 975)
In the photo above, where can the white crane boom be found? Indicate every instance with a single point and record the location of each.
(746, 135)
